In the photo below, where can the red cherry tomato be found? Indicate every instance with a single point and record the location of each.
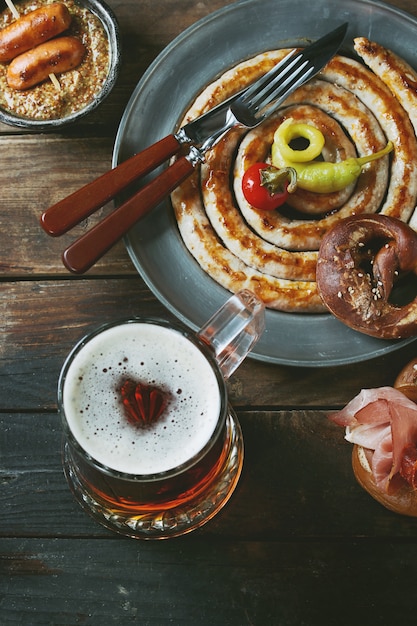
(259, 195)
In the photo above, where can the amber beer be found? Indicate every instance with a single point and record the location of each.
(152, 448)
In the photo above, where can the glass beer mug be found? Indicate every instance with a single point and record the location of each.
(151, 447)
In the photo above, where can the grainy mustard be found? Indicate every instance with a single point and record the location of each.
(78, 86)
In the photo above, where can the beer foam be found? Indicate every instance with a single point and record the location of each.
(150, 354)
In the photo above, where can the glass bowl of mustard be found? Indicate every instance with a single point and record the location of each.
(70, 50)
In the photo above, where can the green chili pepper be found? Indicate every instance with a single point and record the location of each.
(323, 176)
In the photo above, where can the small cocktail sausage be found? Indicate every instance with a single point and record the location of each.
(32, 29)
(34, 66)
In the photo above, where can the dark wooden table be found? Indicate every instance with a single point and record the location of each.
(299, 543)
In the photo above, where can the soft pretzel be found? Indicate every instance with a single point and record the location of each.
(359, 260)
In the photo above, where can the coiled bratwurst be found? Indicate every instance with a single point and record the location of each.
(358, 105)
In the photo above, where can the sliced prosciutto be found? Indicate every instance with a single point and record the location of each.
(383, 420)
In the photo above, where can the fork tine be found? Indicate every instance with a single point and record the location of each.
(268, 92)
(267, 108)
(280, 68)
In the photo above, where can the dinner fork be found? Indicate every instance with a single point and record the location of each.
(248, 109)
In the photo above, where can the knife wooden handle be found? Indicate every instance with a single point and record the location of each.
(86, 250)
(73, 209)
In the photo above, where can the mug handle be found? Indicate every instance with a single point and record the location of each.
(234, 329)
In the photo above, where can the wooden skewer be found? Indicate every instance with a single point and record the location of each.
(55, 81)
(13, 9)
(16, 15)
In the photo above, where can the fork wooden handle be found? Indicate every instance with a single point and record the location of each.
(72, 210)
(86, 250)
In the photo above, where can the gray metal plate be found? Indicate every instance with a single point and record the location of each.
(194, 59)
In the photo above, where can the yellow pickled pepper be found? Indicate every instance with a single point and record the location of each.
(316, 176)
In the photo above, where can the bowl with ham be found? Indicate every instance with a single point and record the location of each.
(58, 61)
(381, 424)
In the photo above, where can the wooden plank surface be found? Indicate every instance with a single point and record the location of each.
(299, 543)
(297, 484)
(49, 169)
(289, 536)
(201, 581)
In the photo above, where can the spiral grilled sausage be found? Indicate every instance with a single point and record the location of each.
(227, 268)
(231, 228)
(357, 265)
(401, 195)
(275, 253)
(196, 230)
(398, 75)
